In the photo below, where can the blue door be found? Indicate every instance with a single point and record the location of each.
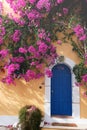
(61, 91)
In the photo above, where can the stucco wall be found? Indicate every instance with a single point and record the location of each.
(83, 101)
(12, 98)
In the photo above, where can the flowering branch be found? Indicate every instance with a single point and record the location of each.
(26, 41)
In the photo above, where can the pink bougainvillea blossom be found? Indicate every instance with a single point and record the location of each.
(30, 74)
(17, 5)
(33, 15)
(43, 4)
(19, 59)
(80, 32)
(39, 75)
(31, 34)
(84, 78)
(16, 35)
(12, 67)
(59, 42)
(83, 38)
(39, 66)
(8, 80)
(78, 84)
(48, 72)
(32, 1)
(43, 47)
(85, 94)
(3, 53)
(65, 11)
(20, 22)
(22, 50)
(31, 49)
(42, 34)
(60, 1)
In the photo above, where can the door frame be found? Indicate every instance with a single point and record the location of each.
(75, 95)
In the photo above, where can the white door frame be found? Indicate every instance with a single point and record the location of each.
(75, 96)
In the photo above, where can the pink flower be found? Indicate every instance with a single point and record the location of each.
(39, 75)
(59, 14)
(32, 1)
(39, 66)
(16, 36)
(31, 49)
(12, 67)
(21, 3)
(83, 38)
(84, 78)
(8, 80)
(77, 84)
(48, 39)
(41, 35)
(22, 50)
(59, 42)
(33, 14)
(48, 72)
(30, 74)
(9, 126)
(3, 53)
(33, 63)
(85, 94)
(44, 4)
(78, 28)
(19, 59)
(65, 11)
(39, 42)
(80, 32)
(19, 21)
(60, 1)
(43, 47)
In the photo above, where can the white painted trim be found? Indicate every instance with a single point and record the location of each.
(13, 120)
(75, 96)
(6, 120)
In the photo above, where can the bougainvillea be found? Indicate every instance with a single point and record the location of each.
(26, 41)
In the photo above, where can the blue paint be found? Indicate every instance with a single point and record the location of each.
(61, 91)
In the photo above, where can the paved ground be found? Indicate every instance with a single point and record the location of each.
(10, 120)
(4, 128)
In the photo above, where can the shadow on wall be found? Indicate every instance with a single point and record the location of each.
(12, 98)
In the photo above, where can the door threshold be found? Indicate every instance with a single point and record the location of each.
(64, 117)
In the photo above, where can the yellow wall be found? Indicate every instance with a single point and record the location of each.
(83, 101)
(12, 98)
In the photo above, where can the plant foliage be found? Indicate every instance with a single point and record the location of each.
(30, 118)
